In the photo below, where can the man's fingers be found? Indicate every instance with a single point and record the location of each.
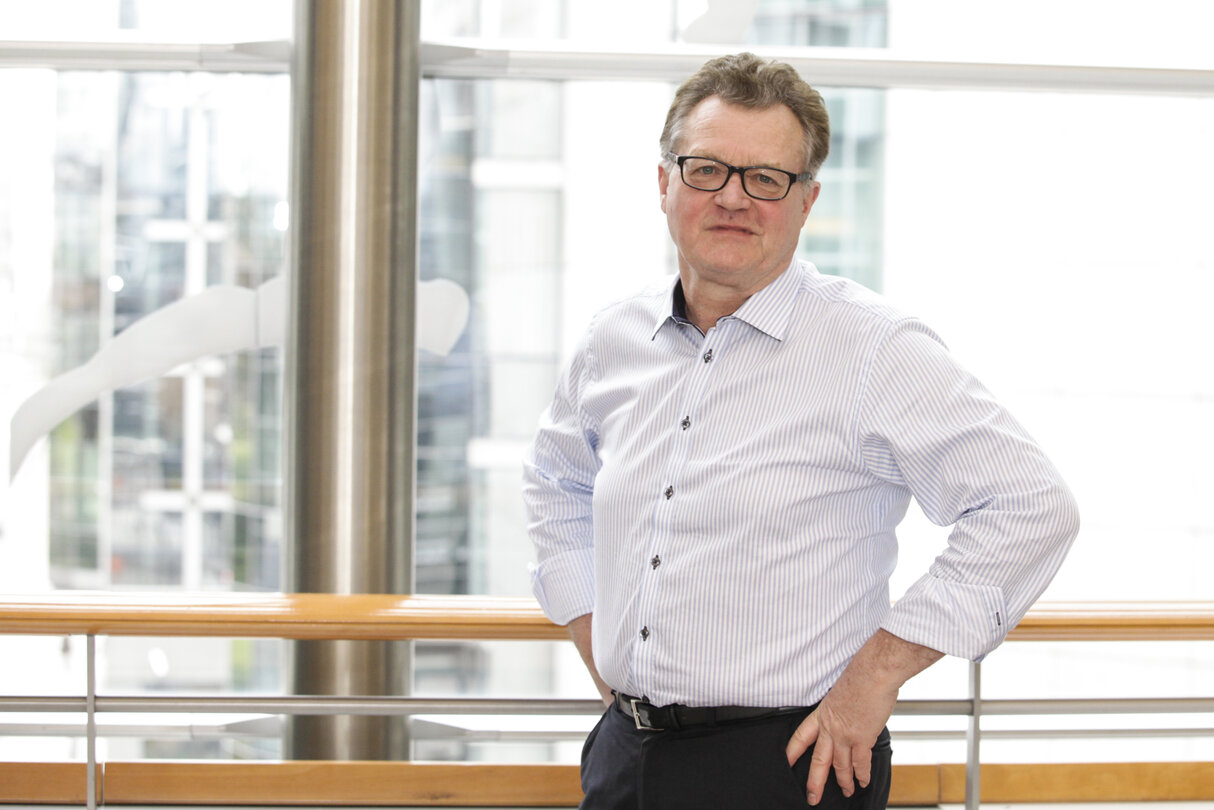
(832, 751)
(862, 764)
(852, 767)
(843, 771)
(819, 767)
(801, 739)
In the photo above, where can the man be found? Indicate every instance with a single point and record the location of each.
(714, 492)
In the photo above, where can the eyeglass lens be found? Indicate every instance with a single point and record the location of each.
(712, 175)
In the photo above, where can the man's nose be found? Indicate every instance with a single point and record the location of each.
(732, 194)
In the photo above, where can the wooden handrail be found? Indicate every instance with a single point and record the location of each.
(399, 784)
(1117, 621)
(370, 617)
(294, 616)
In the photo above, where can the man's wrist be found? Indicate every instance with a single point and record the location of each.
(889, 661)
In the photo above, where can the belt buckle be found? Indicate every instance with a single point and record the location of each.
(642, 725)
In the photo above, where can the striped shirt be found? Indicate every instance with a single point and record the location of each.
(725, 504)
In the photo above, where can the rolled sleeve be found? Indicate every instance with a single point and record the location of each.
(564, 585)
(955, 618)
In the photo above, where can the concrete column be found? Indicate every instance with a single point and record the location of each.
(349, 391)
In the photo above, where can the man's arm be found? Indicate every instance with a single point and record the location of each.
(558, 495)
(579, 631)
(926, 424)
(846, 724)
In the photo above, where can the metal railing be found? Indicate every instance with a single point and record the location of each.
(373, 617)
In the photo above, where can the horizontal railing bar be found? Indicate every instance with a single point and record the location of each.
(935, 735)
(1058, 733)
(155, 731)
(962, 708)
(481, 618)
(43, 704)
(162, 731)
(1098, 706)
(388, 705)
(316, 704)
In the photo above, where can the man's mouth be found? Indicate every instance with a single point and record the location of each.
(739, 229)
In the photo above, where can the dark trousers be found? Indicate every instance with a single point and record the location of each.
(732, 765)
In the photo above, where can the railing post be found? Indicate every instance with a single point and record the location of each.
(973, 736)
(90, 707)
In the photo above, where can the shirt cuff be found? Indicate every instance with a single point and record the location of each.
(955, 618)
(564, 585)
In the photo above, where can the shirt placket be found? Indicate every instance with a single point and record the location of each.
(663, 548)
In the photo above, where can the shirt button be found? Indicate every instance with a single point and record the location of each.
(644, 634)
(656, 561)
(669, 493)
(686, 423)
(708, 356)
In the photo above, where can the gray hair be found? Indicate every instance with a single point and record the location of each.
(748, 81)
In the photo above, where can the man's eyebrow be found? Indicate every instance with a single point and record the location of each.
(711, 156)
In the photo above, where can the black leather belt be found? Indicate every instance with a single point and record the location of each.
(675, 716)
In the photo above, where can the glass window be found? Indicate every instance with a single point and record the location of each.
(135, 191)
(217, 20)
(169, 197)
(1075, 286)
(1057, 242)
(1087, 32)
(998, 217)
(519, 119)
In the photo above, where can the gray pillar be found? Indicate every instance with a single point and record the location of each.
(350, 421)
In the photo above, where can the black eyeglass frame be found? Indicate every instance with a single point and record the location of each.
(741, 172)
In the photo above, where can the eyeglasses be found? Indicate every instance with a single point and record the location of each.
(760, 182)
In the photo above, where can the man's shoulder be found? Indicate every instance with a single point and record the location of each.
(849, 298)
(627, 320)
(655, 293)
(644, 305)
(856, 315)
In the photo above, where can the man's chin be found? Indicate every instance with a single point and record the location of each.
(725, 264)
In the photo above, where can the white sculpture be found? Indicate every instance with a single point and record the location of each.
(219, 320)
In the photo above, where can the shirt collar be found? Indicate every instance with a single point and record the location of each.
(769, 310)
(672, 309)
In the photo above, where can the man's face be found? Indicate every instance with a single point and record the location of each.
(726, 238)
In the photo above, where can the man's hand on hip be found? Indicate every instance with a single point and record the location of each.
(847, 722)
(580, 631)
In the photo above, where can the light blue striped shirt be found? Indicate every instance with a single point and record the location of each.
(726, 504)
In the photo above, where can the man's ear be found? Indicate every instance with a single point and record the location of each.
(663, 182)
(810, 198)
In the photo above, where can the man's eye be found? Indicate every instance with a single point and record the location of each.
(706, 171)
(766, 178)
